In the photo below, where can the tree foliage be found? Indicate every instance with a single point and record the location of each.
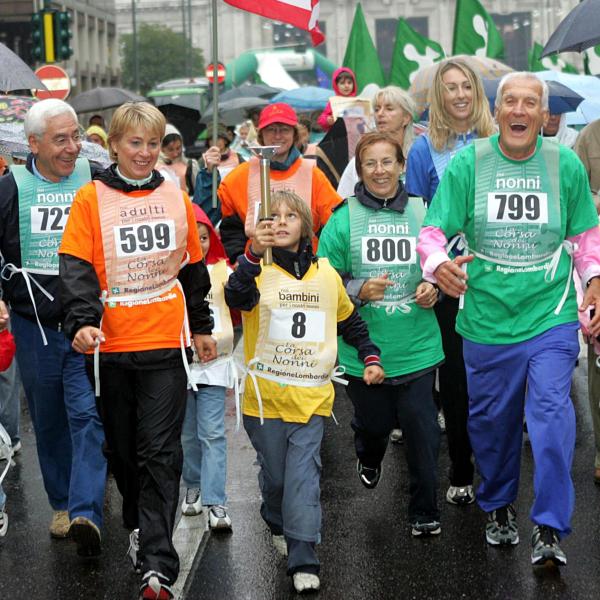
(161, 56)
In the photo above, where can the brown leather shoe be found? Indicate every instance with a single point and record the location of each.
(597, 475)
(87, 537)
(59, 528)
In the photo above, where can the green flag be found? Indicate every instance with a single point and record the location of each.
(361, 55)
(548, 63)
(411, 52)
(591, 60)
(475, 32)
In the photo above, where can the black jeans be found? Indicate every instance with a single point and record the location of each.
(376, 408)
(142, 412)
(454, 395)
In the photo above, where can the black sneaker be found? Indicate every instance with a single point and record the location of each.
(545, 548)
(501, 528)
(426, 529)
(368, 477)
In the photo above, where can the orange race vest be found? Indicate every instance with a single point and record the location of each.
(144, 241)
(300, 183)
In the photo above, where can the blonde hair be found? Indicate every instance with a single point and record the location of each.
(441, 131)
(402, 99)
(297, 204)
(135, 116)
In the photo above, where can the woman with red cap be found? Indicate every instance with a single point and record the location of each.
(239, 192)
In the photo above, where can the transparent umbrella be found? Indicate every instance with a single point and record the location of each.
(15, 74)
(13, 141)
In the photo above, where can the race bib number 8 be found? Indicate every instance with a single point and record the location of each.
(291, 325)
(144, 238)
(388, 250)
(518, 208)
(49, 219)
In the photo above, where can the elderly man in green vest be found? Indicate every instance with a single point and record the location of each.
(523, 206)
(35, 200)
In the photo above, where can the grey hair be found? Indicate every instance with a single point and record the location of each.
(41, 112)
(522, 75)
(399, 97)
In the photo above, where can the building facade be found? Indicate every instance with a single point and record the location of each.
(521, 22)
(95, 61)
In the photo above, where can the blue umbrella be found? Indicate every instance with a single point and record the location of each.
(562, 98)
(304, 98)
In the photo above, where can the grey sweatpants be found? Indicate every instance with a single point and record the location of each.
(289, 480)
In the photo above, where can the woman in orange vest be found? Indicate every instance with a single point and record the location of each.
(239, 192)
(134, 288)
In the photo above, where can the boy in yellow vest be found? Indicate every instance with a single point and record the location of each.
(292, 312)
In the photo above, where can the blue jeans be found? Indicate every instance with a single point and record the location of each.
(10, 405)
(204, 444)
(69, 434)
(534, 375)
(2, 498)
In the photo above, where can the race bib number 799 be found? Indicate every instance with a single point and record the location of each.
(525, 207)
(144, 238)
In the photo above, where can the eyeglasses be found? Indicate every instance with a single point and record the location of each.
(62, 141)
(386, 163)
(276, 129)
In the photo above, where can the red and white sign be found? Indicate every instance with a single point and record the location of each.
(56, 80)
(210, 73)
(303, 14)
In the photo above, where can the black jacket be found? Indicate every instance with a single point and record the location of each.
(241, 293)
(80, 289)
(14, 290)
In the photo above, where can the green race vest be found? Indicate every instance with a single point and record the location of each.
(517, 206)
(385, 241)
(43, 210)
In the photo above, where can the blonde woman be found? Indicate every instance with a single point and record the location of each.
(394, 109)
(458, 113)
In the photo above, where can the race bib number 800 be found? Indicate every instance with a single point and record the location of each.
(291, 325)
(518, 208)
(144, 238)
(388, 250)
(49, 219)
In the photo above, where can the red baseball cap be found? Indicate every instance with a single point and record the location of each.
(277, 113)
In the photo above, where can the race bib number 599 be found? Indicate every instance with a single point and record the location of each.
(522, 207)
(144, 238)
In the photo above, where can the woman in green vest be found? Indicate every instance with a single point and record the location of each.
(370, 240)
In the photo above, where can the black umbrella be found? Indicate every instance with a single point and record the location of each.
(101, 98)
(562, 99)
(253, 90)
(15, 74)
(232, 112)
(579, 30)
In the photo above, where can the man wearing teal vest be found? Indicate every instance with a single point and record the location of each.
(35, 200)
(523, 206)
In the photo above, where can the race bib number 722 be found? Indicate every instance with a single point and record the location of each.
(525, 207)
(144, 238)
(49, 219)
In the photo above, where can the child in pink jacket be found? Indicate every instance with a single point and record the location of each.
(344, 84)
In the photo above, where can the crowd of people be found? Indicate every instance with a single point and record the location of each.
(440, 276)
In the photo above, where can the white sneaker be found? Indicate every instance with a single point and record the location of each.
(16, 448)
(460, 495)
(396, 436)
(305, 582)
(134, 548)
(3, 523)
(192, 503)
(279, 544)
(441, 421)
(218, 517)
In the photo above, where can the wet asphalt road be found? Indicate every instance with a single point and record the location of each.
(367, 550)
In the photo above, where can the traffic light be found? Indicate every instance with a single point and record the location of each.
(62, 35)
(37, 36)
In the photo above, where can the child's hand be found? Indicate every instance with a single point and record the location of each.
(3, 316)
(264, 237)
(206, 347)
(373, 375)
